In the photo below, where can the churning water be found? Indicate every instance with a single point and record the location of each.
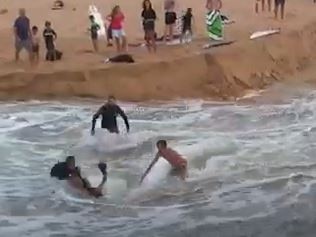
(252, 169)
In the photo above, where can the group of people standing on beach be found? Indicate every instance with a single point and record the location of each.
(27, 37)
(115, 28)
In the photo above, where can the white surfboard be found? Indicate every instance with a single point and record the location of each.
(93, 10)
(260, 34)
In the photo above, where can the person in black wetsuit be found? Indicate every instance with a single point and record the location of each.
(109, 112)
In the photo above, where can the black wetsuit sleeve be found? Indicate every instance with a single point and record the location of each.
(123, 115)
(96, 116)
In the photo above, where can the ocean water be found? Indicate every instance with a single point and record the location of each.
(252, 169)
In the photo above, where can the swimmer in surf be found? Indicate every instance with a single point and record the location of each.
(178, 163)
(68, 171)
(109, 112)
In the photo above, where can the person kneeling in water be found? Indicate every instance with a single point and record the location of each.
(68, 171)
(178, 163)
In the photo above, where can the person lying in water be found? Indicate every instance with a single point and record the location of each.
(68, 171)
(109, 112)
(178, 163)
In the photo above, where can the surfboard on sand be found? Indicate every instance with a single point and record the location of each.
(259, 34)
(93, 10)
(218, 44)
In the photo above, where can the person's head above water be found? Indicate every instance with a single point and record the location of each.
(111, 99)
(147, 5)
(71, 162)
(161, 144)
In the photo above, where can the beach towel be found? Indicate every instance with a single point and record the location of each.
(214, 25)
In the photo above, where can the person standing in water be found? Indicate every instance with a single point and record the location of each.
(109, 112)
(178, 163)
(149, 18)
(94, 28)
(68, 171)
(279, 4)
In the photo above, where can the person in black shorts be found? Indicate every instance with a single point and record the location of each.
(170, 19)
(187, 20)
(279, 4)
(149, 18)
(94, 28)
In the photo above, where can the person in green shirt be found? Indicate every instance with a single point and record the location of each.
(94, 28)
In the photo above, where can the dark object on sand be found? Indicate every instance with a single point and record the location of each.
(53, 55)
(3, 11)
(122, 58)
(58, 5)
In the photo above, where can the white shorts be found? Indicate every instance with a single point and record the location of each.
(118, 33)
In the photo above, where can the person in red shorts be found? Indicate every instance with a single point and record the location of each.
(178, 163)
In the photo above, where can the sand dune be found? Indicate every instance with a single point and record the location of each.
(175, 71)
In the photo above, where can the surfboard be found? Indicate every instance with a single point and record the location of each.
(259, 34)
(93, 10)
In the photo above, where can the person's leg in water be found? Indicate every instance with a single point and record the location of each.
(98, 191)
(181, 172)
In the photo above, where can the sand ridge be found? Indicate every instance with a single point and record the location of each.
(175, 71)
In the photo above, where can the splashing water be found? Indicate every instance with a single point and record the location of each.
(251, 168)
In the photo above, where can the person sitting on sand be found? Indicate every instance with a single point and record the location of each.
(279, 4)
(117, 18)
(187, 21)
(149, 18)
(178, 163)
(35, 44)
(94, 28)
(109, 112)
(68, 171)
(58, 5)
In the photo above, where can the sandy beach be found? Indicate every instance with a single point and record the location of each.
(182, 71)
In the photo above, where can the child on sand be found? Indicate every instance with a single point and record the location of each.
(214, 23)
(149, 18)
(50, 36)
(35, 44)
(187, 20)
(279, 4)
(116, 21)
(94, 28)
